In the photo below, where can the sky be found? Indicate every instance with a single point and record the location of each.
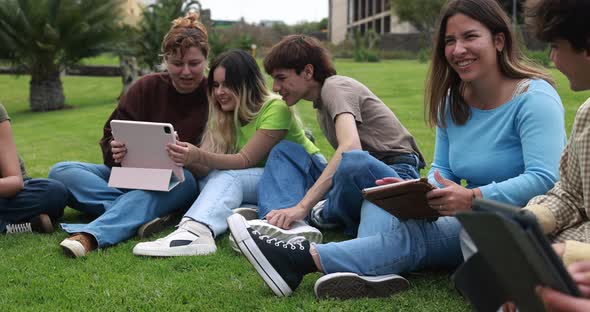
(289, 11)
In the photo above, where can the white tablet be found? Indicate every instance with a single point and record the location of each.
(146, 150)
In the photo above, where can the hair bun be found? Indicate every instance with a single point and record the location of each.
(190, 20)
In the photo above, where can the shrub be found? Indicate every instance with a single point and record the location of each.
(541, 57)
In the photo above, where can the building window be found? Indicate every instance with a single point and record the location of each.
(370, 5)
(379, 6)
(387, 24)
(355, 9)
(378, 27)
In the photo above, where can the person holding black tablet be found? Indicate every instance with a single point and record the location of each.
(500, 127)
(565, 210)
(177, 96)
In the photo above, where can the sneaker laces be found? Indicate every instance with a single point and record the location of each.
(291, 243)
(19, 228)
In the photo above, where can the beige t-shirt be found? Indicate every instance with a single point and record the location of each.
(3, 117)
(380, 132)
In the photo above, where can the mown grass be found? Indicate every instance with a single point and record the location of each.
(37, 276)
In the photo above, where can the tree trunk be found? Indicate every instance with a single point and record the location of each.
(46, 93)
(129, 71)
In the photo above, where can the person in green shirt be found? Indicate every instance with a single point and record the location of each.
(245, 123)
(26, 204)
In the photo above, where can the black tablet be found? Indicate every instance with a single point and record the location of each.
(516, 252)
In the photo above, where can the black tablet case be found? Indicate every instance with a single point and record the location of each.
(513, 257)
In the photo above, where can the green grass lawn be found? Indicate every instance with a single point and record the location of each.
(37, 276)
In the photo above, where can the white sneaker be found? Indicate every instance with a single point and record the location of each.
(299, 231)
(247, 212)
(190, 239)
(351, 285)
(315, 217)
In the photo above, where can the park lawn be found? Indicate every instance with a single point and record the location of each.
(37, 276)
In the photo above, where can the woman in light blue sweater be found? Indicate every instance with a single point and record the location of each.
(499, 127)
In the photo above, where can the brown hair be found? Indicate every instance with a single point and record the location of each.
(559, 19)
(296, 51)
(444, 83)
(186, 32)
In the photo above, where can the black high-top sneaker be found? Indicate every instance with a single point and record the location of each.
(281, 265)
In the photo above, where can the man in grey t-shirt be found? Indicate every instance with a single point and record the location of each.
(352, 118)
(370, 144)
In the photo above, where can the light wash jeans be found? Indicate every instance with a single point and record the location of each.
(290, 171)
(385, 244)
(222, 191)
(120, 211)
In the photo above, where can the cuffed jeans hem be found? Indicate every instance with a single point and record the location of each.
(71, 229)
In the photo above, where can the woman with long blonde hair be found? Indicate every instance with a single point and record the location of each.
(245, 123)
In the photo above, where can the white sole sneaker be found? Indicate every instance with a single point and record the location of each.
(239, 231)
(299, 229)
(144, 249)
(191, 238)
(351, 285)
(73, 248)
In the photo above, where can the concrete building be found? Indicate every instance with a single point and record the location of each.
(345, 16)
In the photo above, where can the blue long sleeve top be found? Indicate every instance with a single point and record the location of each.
(511, 153)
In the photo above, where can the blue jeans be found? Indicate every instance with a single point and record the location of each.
(38, 196)
(383, 243)
(358, 170)
(289, 173)
(387, 245)
(220, 192)
(120, 211)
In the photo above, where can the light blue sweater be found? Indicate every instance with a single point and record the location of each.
(511, 152)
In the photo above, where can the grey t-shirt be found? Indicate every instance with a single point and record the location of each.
(3, 117)
(380, 132)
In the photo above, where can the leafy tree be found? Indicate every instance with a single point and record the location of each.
(45, 36)
(422, 14)
(155, 24)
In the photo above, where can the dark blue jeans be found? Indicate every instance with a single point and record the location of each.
(290, 171)
(37, 197)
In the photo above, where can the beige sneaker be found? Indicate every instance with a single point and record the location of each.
(78, 245)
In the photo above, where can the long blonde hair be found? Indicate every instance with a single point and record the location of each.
(247, 84)
(443, 81)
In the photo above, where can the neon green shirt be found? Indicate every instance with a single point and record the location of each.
(276, 115)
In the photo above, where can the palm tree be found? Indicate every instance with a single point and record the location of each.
(154, 25)
(45, 36)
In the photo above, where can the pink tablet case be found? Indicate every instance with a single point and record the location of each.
(146, 165)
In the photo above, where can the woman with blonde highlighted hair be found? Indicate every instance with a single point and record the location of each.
(245, 123)
(499, 128)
